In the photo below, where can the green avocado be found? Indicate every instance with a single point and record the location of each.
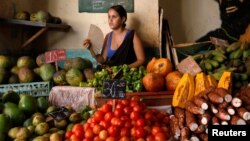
(16, 115)
(5, 123)
(28, 104)
(10, 96)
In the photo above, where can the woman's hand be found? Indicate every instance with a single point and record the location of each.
(87, 43)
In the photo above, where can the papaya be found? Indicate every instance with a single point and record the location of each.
(201, 83)
(184, 91)
(226, 81)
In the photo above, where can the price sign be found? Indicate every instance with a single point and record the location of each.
(55, 55)
(114, 88)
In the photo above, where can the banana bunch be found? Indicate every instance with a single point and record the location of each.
(231, 58)
(212, 61)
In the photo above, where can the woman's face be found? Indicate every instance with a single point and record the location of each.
(114, 19)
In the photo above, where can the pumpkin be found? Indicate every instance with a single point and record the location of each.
(172, 80)
(151, 64)
(161, 65)
(153, 82)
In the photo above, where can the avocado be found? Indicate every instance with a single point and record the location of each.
(10, 96)
(16, 115)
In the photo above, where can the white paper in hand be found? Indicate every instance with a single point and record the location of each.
(96, 37)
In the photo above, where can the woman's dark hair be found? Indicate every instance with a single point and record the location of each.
(121, 11)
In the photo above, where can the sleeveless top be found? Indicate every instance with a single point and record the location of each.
(110, 51)
(125, 54)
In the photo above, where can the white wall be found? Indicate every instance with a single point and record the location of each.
(144, 20)
(191, 19)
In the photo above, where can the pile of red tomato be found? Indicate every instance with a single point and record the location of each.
(128, 120)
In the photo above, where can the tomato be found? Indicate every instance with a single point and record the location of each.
(137, 108)
(118, 112)
(78, 130)
(125, 102)
(96, 129)
(139, 132)
(135, 98)
(125, 118)
(74, 138)
(119, 106)
(127, 124)
(132, 131)
(134, 115)
(104, 124)
(140, 122)
(89, 134)
(155, 130)
(160, 116)
(110, 138)
(79, 133)
(87, 139)
(160, 137)
(127, 110)
(124, 132)
(148, 115)
(103, 134)
(108, 116)
(96, 138)
(86, 126)
(140, 139)
(133, 103)
(106, 108)
(147, 129)
(68, 134)
(124, 139)
(150, 137)
(98, 116)
(116, 121)
(113, 130)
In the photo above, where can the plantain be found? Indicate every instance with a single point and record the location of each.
(197, 57)
(191, 91)
(218, 53)
(233, 46)
(208, 65)
(214, 63)
(246, 53)
(219, 59)
(237, 54)
(236, 62)
(243, 76)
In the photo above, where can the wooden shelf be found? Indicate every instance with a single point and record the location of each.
(34, 24)
(44, 27)
(150, 98)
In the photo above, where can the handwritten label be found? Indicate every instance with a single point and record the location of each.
(114, 88)
(55, 55)
(188, 65)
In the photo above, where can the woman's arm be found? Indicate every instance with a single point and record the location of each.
(139, 52)
(100, 58)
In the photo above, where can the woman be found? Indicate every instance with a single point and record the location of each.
(122, 45)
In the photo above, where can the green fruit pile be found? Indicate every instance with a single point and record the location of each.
(234, 58)
(24, 117)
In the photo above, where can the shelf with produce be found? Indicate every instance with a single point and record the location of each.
(43, 25)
